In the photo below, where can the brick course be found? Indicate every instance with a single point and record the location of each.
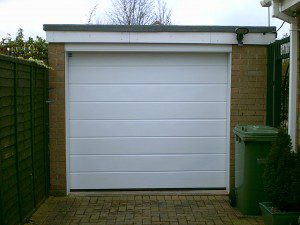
(248, 103)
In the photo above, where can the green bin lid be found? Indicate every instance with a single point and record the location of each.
(255, 132)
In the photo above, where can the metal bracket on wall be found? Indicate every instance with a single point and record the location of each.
(49, 101)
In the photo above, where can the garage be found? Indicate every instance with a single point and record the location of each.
(151, 107)
(148, 120)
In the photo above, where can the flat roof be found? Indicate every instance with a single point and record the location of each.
(153, 28)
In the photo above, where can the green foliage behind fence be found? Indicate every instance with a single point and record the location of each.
(34, 49)
(24, 167)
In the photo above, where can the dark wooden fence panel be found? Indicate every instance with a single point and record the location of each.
(278, 83)
(24, 172)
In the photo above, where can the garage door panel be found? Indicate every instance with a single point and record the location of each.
(147, 120)
(128, 180)
(128, 59)
(154, 75)
(142, 146)
(142, 110)
(146, 128)
(147, 163)
(211, 92)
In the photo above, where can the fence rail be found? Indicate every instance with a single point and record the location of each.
(24, 157)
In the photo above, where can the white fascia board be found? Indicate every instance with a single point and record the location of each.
(157, 37)
(86, 37)
(249, 39)
(95, 47)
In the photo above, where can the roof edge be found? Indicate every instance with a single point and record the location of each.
(153, 28)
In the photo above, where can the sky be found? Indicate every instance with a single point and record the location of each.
(30, 15)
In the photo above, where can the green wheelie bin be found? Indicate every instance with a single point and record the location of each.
(252, 145)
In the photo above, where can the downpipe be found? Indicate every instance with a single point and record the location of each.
(292, 114)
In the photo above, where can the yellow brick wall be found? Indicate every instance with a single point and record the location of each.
(248, 103)
(248, 90)
(57, 133)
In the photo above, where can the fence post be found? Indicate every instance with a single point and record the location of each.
(1, 185)
(16, 139)
(277, 85)
(270, 86)
(46, 134)
(32, 134)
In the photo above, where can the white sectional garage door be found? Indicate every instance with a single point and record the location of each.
(147, 120)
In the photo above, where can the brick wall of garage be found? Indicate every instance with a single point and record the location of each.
(248, 90)
(57, 127)
(248, 103)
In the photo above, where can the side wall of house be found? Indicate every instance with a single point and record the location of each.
(248, 90)
(57, 122)
(248, 103)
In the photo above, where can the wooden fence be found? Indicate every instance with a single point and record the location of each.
(24, 157)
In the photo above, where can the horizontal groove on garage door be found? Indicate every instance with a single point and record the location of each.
(160, 75)
(148, 145)
(191, 179)
(145, 163)
(147, 128)
(129, 59)
(183, 110)
(148, 92)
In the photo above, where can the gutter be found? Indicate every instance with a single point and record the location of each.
(153, 28)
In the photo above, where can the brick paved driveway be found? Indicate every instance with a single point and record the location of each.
(140, 209)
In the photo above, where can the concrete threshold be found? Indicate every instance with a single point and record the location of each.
(147, 192)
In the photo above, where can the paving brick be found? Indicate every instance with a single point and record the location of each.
(140, 209)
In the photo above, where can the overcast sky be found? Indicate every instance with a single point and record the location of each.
(32, 14)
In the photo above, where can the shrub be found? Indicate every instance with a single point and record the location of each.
(32, 49)
(281, 179)
(296, 182)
